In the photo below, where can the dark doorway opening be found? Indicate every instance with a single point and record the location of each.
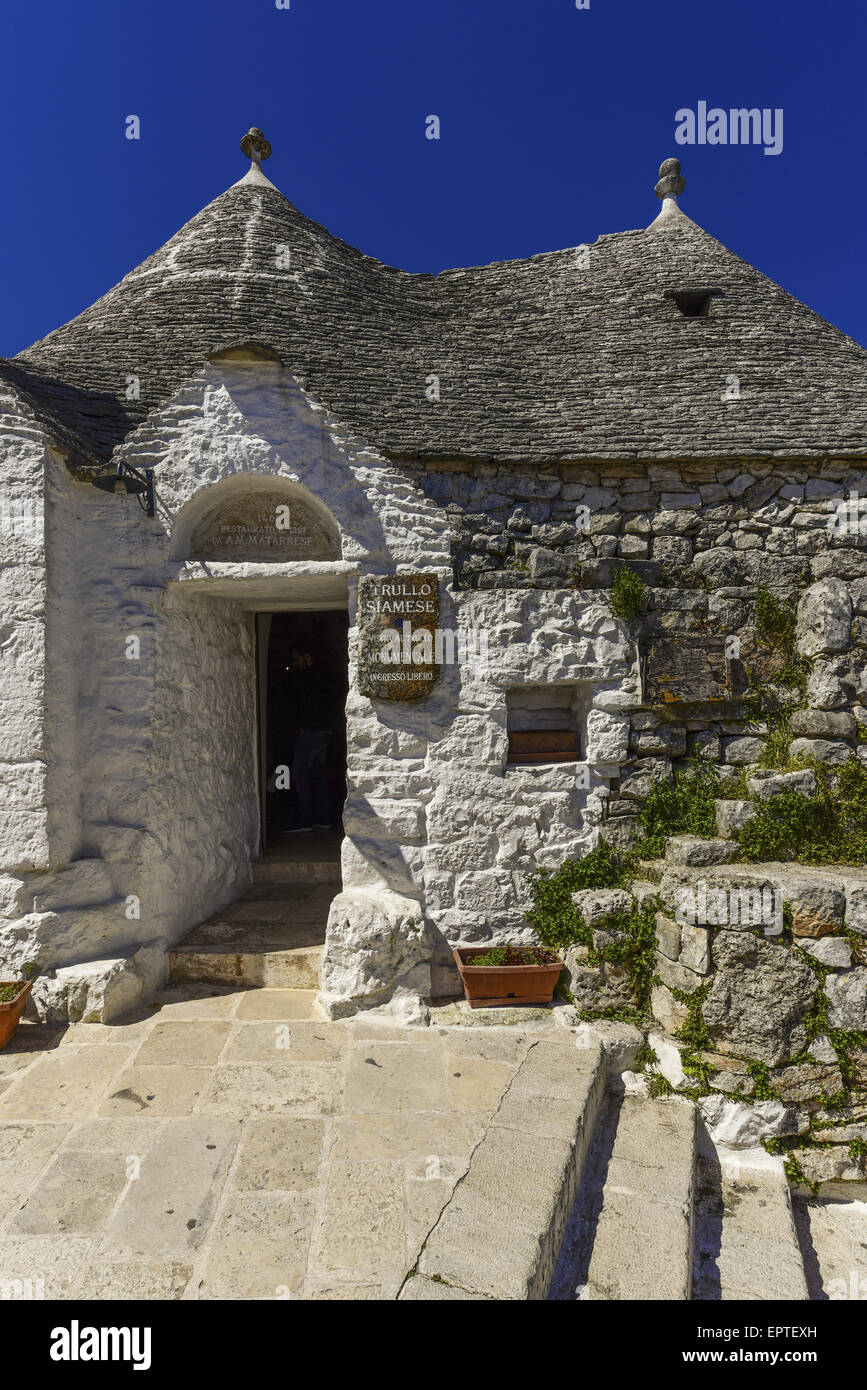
(303, 683)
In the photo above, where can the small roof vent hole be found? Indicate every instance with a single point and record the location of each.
(693, 304)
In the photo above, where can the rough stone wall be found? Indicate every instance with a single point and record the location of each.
(704, 539)
(24, 459)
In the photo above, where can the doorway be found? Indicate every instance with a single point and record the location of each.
(302, 671)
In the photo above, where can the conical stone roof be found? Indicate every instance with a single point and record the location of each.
(566, 355)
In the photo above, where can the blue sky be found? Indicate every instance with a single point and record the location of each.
(553, 123)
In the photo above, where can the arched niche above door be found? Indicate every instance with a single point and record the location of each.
(261, 521)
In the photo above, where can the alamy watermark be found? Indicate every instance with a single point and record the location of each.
(737, 126)
(409, 646)
(849, 516)
(709, 905)
(22, 1290)
(24, 519)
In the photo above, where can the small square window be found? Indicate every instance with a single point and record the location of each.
(543, 724)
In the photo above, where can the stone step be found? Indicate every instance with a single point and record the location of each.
(643, 1243)
(312, 857)
(693, 851)
(500, 1233)
(251, 961)
(274, 935)
(268, 904)
(833, 1238)
(297, 871)
(83, 883)
(746, 1243)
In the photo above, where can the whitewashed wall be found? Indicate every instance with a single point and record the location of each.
(150, 688)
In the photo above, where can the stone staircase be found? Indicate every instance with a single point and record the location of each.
(614, 1195)
(275, 934)
(660, 1214)
(679, 1200)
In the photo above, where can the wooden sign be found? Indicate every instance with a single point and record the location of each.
(398, 636)
(262, 526)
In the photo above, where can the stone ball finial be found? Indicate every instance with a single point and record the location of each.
(255, 146)
(671, 183)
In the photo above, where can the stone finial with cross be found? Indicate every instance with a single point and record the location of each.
(255, 146)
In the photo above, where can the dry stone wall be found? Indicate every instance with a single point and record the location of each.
(705, 540)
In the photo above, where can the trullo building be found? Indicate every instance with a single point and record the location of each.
(420, 487)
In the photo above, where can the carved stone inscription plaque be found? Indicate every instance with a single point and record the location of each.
(398, 623)
(262, 526)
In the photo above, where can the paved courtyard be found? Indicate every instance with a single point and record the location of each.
(220, 1144)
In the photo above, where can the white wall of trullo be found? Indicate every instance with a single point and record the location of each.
(151, 787)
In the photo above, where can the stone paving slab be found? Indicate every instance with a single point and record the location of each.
(233, 1144)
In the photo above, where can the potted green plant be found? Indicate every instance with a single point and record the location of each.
(13, 997)
(497, 975)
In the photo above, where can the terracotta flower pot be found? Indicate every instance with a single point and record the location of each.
(10, 1014)
(490, 986)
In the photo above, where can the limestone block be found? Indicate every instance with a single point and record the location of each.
(847, 1000)
(833, 951)
(677, 976)
(668, 1062)
(705, 744)
(695, 948)
(621, 1042)
(732, 816)
(377, 952)
(669, 1012)
(765, 785)
(817, 907)
(381, 863)
(597, 988)
(695, 852)
(14, 891)
(823, 1050)
(856, 907)
(394, 819)
(835, 681)
(548, 567)
(805, 1082)
(822, 723)
(829, 1165)
(742, 750)
(742, 1125)
(23, 784)
(597, 904)
(621, 832)
(98, 991)
(758, 997)
(607, 737)
(667, 741)
(721, 566)
(668, 936)
(84, 883)
(824, 618)
(822, 749)
(24, 838)
(488, 891)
